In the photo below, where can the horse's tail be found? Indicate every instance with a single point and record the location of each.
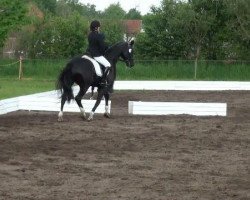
(64, 82)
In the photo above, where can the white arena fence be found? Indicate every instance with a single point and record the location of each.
(49, 101)
(177, 108)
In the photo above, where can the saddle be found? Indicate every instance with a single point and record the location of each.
(100, 72)
(99, 69)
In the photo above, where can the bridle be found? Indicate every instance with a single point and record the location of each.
(127, 60)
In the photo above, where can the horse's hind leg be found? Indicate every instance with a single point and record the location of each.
(106, 96)
(63, 100)
(92, 92)
(78, 99)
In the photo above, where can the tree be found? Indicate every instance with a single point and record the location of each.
(60, 37)
(178, 29)
(162, 37)
(89, 12)
(114, 11)
(198, 20)
(12, 16)
(63, 9)
(46, 6)
(238, 41)
(25, 35)
(113, 31)
(133, 13)
(241, 11)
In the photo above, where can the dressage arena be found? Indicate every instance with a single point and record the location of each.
(128, 156)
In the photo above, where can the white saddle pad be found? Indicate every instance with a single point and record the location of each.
(96, 65)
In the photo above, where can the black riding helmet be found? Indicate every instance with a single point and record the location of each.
(94, 25)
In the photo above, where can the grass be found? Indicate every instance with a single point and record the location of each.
(221, 71)
(184, 70)
(40, 75)
(160, 70)
(12, 87)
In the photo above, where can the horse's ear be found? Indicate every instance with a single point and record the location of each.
(132, 42)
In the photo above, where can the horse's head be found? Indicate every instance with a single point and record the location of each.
(127, 53)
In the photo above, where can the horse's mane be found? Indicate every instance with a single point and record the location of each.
(114, 46)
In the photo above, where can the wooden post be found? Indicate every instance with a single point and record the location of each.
(20, 67)
(195, 68)
(196, 61)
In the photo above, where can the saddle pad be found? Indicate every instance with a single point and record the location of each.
(96, 65)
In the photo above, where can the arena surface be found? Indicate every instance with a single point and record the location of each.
(129, 157)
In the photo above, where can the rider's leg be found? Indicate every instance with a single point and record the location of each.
(106, 64)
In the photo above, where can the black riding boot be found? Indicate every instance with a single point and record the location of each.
(104, 78)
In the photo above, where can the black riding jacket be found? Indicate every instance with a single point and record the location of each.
(96, 46)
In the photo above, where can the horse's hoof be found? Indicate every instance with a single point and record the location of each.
(91, 116)
(90, 119)
(60, 116)
(107, 115)
(60, 119)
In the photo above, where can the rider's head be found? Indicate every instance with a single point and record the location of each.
(94, 25)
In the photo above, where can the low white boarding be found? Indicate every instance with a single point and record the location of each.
(53, 104)
(177, 108)
(8, 105)
(47, 104)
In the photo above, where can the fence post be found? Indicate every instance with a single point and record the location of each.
(195, 68)
(20, 67)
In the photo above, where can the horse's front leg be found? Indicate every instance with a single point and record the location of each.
(98, 100)
(106, 96)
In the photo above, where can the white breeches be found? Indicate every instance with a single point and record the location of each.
(103, 61)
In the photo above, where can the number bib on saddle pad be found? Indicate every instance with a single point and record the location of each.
(96, 65)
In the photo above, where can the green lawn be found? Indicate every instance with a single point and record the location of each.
(13, 87)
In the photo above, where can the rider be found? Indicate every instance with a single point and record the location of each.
(97, 48)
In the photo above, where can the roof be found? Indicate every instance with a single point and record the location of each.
(132, 27)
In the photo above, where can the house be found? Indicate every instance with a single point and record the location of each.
(132, 28)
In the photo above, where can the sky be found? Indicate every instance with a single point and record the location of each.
(142, 5)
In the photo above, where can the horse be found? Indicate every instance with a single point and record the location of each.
(81, 71)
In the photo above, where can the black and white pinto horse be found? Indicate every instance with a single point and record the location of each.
(81, 71)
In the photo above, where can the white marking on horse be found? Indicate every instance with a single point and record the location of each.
(106, 109)
(60, 116)
(91, 116)
(83, 112)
